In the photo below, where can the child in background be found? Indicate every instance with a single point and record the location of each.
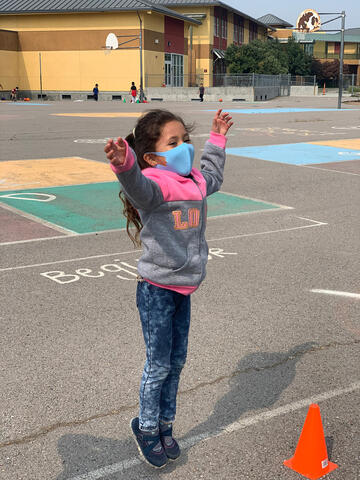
(165, 199)
(96, 92)
(133, 92)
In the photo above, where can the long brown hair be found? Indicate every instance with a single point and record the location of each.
(142, 140)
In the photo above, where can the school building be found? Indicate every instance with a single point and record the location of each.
(68, 46)
(323, 46)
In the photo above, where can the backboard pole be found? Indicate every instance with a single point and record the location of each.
(341, 73)
(40, 77)
(141, 96)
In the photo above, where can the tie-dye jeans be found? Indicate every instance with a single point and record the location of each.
(165, 319)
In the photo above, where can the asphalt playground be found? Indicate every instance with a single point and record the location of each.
(275, 326)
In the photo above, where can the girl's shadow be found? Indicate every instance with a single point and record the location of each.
(256, 384)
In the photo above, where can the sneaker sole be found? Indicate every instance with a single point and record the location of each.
(141, 453)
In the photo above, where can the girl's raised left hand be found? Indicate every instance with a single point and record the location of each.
(221, 122)
(116, 151)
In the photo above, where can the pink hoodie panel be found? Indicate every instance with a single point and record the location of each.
(218, 139)
(129, 161)
(175, 187)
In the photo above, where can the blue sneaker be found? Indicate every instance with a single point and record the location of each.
(171, 447)
(149, 445)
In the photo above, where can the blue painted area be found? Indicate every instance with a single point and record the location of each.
(29, 103)
(297, 153)
(285, 110)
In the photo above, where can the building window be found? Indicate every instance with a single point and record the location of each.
(224, 24)
(238, 30)
(253, 30)
(220, 22)
(309, 48)
(217, 27)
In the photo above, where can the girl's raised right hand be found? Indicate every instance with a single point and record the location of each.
(116, 151)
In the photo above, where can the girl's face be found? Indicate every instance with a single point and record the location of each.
(172, 135)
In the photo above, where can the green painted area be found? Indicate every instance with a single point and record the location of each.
(96, 207)
(221, 204)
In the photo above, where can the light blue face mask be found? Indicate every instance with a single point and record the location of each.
(179, 159)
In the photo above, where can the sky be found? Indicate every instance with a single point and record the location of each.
(291, 9)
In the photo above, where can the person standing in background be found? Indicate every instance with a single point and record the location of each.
(96, 92)
(201, 92)
(133, 92)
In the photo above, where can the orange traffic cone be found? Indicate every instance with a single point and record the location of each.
(324, 90)
(310, 458)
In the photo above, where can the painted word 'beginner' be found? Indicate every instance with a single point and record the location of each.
(123, 270)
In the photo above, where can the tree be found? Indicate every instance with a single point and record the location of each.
(254, 57)
(271, 57)
(299, 62)
(327, 71)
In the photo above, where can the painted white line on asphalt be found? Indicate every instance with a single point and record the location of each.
(331, 170)
(316, 224)
(68, 260)
(121, 467)
(29, 216)
(336, 292)
(70, 233)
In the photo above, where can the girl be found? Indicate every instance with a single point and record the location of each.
(165, 198)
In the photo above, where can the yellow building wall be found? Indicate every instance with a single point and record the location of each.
(202, 37)
(83, 70)
(70, 21)
(152, 21)
(319, 49)
(246, 31)
(230, 30)
(80, 69)
(9, 70)
(350, 48)
(154, 69)
(281, 33)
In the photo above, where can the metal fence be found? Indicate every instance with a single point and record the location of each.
(228, 80)
(300, 81)
(351, 82)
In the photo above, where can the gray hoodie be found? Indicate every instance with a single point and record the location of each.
(173, 209)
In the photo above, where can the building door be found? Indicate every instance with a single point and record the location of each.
(174, 70)
(168, 81)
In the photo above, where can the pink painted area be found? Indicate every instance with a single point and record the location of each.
(129, 161)
(19, 228)
(175, 187)
(174, 35)
(185, 290)
(218, 139)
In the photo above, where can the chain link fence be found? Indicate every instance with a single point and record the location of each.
(351, 83)
(228, 80)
